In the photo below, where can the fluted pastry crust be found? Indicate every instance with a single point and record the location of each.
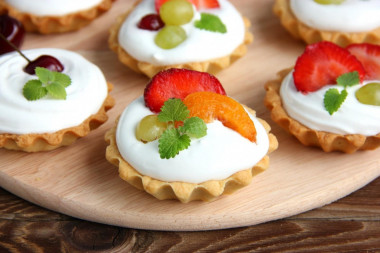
(211, 66)
(309, 137)
(64, 137)
(311, 35)
(185, 192)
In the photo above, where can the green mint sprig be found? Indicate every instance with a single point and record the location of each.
(333, 99)
(210, 22)
(48, 82)
(174, 140)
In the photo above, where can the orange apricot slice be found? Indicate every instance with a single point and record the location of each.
(210, 106)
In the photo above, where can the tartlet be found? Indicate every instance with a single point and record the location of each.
(150, 68)
(339, 137)
(180, 182)
(310, 35)
(55, 23)
(50, 123)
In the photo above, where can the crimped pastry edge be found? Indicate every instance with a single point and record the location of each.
(311, 35)
(182, 191)
(64, 137)
(56, 24)
(328, 142)
(211, 66)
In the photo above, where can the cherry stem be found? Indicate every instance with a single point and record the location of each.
(15, 48)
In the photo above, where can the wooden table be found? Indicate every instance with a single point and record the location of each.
(350, 224)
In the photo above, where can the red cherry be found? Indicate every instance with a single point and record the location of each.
(44, 61)
(13, 31)
(151, 22)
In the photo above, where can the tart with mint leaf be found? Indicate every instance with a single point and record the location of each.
(185, 139)
(331, 98)
(50, 101)
(201, 35)
(340, 21)
(56, 16)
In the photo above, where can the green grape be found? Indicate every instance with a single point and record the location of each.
(369, 94)
(176, 12)
(329, 1)
(170, 36)
(150, 128)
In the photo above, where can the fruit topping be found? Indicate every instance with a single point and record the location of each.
(329, 1)
(369, 94)
(10, 30)
(209, 106)
(151, 22)
(44, 61)
(150, 128)
(369, 56)
(170, 37)
(178, 83)
(176, 12)
(321, 64)
(199, 4)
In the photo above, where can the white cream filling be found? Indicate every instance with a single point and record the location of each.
(200, 45)
(85, 95)
(352, 117)
(52, 7)
(349, 16)
(218, 155)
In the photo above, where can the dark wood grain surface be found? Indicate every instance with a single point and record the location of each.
(351, 224)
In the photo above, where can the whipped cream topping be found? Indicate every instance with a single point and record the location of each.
(200, 45)
(52, 7)
(85, 95)
(349, 16)
(218, 155)
(352, 117)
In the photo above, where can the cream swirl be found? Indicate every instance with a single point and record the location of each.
(200, 45)
(52, 7)
(85, 95)
(219, 154)
(352, 117)
(349, 16)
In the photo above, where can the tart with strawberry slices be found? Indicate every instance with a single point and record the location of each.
(54, 16)
(50, 102)
(340, 21)
(186, 139)
(331, 99)
(201, 35)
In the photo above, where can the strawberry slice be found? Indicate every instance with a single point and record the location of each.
(321, 64)
(200, 4)
(369, 56)
(178, 83)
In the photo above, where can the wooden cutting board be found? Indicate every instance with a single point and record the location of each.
(78, 181)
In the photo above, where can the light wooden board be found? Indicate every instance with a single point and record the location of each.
(78, 181)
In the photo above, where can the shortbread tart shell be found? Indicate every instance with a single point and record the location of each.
(211, 66)
(64, 137)
(311, 35)
(328, 142)
(56, 24)
(182, 191)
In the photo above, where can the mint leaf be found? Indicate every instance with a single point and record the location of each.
(348, 79)
(62, 79)
(44, 75)
(33, 90)
(56, 90)
(173, 110)
(210, 23)
(172, 142)
(194, 127)
(334, 99)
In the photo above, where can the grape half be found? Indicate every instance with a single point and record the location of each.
(150, 128)
(369, 94)
(329, 1)
(176, 12)
(170, 36)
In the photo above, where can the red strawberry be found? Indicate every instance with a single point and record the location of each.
(369, 56)
(178, 83)
(200, 4)
(321, 64)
